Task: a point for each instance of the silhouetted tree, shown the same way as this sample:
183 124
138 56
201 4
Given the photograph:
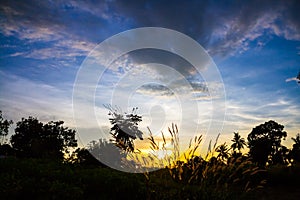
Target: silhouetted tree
32 138
295 152
5 149
125 128
223 152
238 142
83 157
4 126
282 156
107 153
264 142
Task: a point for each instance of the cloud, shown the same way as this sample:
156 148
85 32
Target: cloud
251 23
100 8
291 79
297 79
251 108
154 89
61 50
56 32
224 29
48 21
48 29
29 22
21 97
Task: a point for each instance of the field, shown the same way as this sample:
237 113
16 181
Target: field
44 179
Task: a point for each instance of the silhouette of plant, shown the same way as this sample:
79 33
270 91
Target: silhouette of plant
223 152
196 171
107 153
297 140
265 141
82 156
282 156
160 155
238 142
295 152
124 128
4 126
34 139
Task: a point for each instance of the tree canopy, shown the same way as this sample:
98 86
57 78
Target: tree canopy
4 126
32 138
264 142
295 153
223 151
124 128
238 142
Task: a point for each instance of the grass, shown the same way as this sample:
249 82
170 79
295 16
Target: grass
44 179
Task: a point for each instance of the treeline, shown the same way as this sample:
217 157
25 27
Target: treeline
34 139
47 153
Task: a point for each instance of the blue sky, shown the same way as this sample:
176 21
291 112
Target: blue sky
254 44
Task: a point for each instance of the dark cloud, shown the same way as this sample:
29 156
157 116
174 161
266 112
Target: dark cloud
163 57
223 28
185 16
199 89
155 89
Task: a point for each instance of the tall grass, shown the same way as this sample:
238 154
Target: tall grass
206 173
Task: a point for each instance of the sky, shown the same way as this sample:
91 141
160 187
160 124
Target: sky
254 47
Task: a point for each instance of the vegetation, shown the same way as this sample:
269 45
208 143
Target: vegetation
4 126
265 143
295 153
124 128
238 143
33 164
37 140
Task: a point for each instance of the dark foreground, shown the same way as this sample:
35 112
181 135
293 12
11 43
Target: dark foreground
44 179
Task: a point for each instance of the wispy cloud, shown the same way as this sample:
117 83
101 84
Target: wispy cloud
21 97
249 110
291 79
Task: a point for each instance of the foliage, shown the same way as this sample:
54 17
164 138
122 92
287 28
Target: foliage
4 126
47 179
265 142
235 174
34 139
182 176
160 155
194 177
205 179
238 142
83 157
6 150
107 153
295 152
223 152
124 128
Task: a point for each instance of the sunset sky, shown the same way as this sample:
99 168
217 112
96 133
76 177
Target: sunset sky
255 46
